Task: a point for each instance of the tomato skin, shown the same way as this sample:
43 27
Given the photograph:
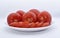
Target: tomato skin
35 11
15 24
40 17
48 19
24 24
20 12
13 17
32 25
44 16
39 24
20 24
29 16
42 24
45 24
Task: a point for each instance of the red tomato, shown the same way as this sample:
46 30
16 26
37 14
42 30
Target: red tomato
13 17
45 24
20 24
32 25
15 24
29 16
44 16
31 19
39 24
20 12
35 11
24 24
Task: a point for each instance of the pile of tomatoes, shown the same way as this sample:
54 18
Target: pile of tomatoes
31 19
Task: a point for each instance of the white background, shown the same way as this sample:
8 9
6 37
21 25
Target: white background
8 6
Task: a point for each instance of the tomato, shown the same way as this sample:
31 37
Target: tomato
20 12
15 24
45 24
24 24
39 24
35 25
29 16
35 11
32 25
44 16
20 24
13 17
32 19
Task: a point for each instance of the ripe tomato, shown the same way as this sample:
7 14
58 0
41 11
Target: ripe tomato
45 24
24 24
31 19
32 25
13 17
15 24
20 12
20 24
44 16
29 16
35 11
39 24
